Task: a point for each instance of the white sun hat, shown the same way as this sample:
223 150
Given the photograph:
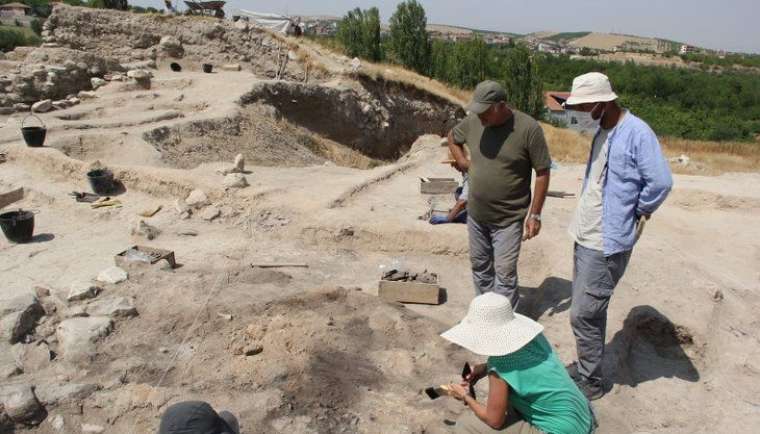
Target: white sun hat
491 328
591 88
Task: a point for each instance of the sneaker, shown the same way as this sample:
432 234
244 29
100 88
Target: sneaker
572 371
592 390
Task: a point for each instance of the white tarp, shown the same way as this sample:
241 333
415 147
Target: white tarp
274 22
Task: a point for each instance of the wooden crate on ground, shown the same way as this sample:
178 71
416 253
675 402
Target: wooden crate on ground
409 292
438 185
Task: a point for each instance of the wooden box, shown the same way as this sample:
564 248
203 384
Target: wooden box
409 292
156 255
438 185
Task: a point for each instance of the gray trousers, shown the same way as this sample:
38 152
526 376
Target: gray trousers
494 253
594 279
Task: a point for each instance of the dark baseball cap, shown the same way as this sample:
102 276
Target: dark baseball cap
486 94
197 417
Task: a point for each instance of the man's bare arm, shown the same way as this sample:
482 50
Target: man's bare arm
461 163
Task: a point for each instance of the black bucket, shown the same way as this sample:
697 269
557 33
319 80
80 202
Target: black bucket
18 226
207 67
101 181
33 136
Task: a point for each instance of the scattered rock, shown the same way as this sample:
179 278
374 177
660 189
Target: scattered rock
188 233
171 46
253 349
232 67
92 429
60 105
74 101
21 107
239 163
42 106
9 366
75 312
97 82
57 423
59 394
35 357
21 405
718 295
87 94
121 307
225 316
112 275
197 199
145 230
19 317
139 74
77 336
82 291
7 110
211 213
41 291
235 180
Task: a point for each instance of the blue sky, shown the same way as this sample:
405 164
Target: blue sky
727 24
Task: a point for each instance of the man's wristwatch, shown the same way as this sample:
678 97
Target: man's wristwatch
536 217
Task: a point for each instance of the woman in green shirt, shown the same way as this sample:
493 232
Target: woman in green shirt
529 388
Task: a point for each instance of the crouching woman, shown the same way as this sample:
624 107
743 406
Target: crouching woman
529 389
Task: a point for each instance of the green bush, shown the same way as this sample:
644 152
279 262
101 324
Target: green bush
36 26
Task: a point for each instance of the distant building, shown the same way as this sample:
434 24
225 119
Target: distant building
685 49
547 47
555 112
11 10
553 101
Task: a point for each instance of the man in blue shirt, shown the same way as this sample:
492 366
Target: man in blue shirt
627 179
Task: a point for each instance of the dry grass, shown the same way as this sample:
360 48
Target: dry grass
399 74
713 158
566 145
705 158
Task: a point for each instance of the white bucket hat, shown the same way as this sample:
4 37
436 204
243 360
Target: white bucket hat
491 328
591 88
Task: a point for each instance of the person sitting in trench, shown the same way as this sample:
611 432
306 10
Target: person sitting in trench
529 389
197 417
457 214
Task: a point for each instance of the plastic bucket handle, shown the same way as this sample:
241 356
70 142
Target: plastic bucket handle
32 116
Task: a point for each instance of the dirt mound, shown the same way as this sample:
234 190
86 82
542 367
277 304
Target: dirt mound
652 346
701 200
132 37
341 359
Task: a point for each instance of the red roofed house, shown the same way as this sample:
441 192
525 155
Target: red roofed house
11 10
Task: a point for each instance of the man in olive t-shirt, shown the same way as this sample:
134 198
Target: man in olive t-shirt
505 146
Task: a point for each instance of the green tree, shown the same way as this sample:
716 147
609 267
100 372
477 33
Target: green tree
350 32
409 40
523 81
359 33
36 26
371 35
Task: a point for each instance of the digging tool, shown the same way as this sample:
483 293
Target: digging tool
283 265
640 227
105 203
437 392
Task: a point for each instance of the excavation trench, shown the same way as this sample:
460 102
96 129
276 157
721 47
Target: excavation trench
292 124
